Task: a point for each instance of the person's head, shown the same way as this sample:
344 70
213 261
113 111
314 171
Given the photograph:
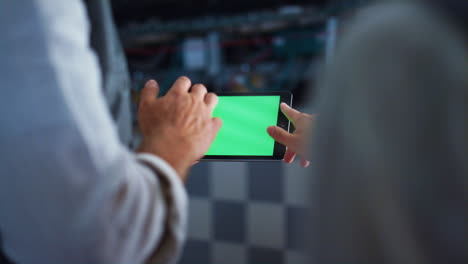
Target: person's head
389 154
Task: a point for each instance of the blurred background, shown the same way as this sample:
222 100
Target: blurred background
239 212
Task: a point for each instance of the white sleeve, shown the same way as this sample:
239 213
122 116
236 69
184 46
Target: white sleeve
69 191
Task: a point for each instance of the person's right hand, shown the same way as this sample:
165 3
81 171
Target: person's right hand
178 127
297 142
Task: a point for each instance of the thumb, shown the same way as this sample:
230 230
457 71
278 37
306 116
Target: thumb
282 136
150 91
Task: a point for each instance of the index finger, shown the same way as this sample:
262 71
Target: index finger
292 114
181 85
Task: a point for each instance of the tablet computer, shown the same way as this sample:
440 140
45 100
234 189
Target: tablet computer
246 117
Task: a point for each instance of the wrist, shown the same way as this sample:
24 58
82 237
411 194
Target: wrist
178 162
180 167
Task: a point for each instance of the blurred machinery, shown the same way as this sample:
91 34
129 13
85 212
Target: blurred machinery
262 45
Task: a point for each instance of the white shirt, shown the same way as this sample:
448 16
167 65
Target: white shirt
69 191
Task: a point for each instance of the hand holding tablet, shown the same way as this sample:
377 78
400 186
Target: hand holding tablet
246 117
298 142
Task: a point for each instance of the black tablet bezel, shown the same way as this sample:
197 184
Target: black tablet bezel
283 122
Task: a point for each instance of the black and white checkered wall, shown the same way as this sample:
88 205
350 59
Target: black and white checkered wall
246 213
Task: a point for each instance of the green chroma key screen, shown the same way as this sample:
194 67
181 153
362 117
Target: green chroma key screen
245 123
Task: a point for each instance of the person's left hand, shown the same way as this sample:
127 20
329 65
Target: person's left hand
297 142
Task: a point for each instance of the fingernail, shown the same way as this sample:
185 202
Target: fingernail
151 83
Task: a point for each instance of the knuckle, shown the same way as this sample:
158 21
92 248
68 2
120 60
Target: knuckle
177 93
302 117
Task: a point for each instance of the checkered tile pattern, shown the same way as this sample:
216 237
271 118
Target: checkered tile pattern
246 213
